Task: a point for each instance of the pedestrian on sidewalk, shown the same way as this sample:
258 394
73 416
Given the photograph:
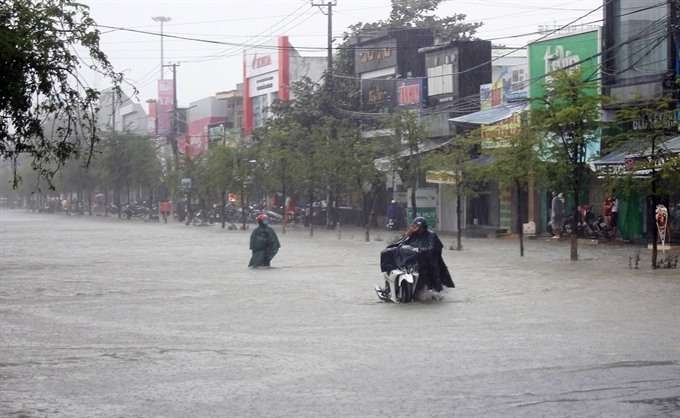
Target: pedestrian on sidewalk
263 243
557 214
615 214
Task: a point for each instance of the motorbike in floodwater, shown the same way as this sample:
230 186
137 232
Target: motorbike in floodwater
401 283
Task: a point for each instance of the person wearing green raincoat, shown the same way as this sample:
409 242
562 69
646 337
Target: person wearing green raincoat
263 243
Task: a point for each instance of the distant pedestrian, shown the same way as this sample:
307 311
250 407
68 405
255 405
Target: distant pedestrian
263 243
615 214
166 210
392 213
607 210
557 214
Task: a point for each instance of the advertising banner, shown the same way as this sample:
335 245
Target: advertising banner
573 52
426 200
257 63
378 95
370 57
440 177
411 92
263 84
164 107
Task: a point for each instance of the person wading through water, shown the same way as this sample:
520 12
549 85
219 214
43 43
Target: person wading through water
263 243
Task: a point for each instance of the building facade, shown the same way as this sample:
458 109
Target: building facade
267 77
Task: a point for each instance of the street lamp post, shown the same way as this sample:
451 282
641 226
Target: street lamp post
162 20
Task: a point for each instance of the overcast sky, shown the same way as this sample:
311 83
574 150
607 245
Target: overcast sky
206 69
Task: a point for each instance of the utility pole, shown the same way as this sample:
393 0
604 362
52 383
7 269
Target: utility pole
329 85
329 5
175 125
162 20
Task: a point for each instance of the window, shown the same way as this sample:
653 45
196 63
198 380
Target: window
640 38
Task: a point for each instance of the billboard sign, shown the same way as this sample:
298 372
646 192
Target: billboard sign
263 84
378 95
164 107
485 96
370 57
572 52
411 92
258 63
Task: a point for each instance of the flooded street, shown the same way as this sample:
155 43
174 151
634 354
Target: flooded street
106 318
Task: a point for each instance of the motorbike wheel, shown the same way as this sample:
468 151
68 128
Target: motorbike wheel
405 292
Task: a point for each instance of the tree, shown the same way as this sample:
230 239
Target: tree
568 118
458 162
405 150
47 111
422 14
514 162
220 162
653 168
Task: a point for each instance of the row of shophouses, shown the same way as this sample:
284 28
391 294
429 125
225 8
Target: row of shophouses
464 85
455 87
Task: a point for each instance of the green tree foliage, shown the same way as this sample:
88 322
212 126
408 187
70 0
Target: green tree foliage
405 150
47 111
514 162
458 160
654 169
568 118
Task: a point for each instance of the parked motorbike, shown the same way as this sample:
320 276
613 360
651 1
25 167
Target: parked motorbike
401 283
135 210
589 225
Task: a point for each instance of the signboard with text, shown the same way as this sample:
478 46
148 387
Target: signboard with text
164 107
257 63
370 57
411 92
573 52
378 95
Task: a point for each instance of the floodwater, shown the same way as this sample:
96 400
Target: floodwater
107 318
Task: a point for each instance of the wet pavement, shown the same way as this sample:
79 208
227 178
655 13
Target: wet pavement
105 318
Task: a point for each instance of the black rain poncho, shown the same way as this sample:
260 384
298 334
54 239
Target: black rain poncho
433 271
264 244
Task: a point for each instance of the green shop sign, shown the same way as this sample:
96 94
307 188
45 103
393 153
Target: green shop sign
575 51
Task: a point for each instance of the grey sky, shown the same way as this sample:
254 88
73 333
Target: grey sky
206 69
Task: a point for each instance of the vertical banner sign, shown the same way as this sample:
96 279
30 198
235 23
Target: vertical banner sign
164 107
411 92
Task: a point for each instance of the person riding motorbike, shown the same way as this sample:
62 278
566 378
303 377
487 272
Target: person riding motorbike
434 274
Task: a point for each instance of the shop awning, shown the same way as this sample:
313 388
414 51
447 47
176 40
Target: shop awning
621 160
384 163
636 149
491 116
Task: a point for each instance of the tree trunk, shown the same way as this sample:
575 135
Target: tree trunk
414 212
285 212
369 216
106 202
224 203
575 215
89 203
311 213
116 194
520 229
243 206
459 232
